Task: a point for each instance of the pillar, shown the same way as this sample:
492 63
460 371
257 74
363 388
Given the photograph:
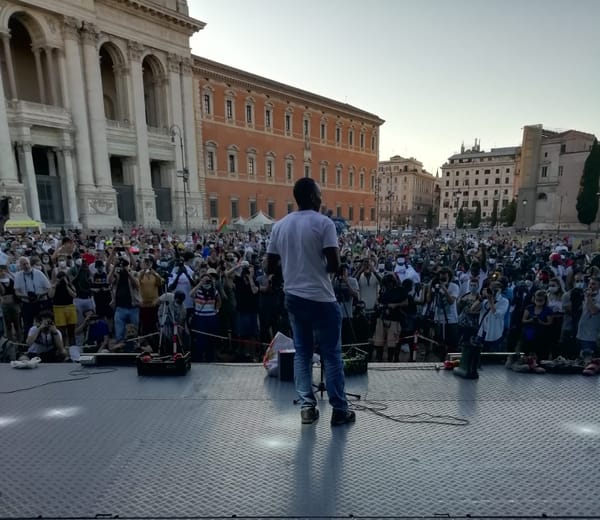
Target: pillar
145 201
196 182
33 203
9 65
40 75
51 68
62 71
65 165
94 91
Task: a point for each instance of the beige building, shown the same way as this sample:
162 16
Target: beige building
473 176
551 169
404 193
97 112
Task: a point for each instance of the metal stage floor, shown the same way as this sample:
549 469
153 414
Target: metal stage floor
226 441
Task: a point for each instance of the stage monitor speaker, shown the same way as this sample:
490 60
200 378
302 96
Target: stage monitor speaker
285 363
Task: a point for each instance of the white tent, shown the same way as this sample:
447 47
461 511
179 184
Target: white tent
259 221
239 223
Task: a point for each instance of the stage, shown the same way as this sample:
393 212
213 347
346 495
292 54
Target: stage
226 441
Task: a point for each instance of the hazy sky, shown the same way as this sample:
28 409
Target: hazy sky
438 71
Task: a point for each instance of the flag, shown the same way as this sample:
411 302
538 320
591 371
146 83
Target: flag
222 226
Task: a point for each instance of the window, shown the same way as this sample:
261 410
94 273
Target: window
253 209
307 170
560 171
338 177
361 181
446 216
351 179
372 214
466 182
290 207
484 214
251 166
235 213
306 126
505 192
475 193
496 181
271 209
338 211
362 145
269 168
324 175
373 145
485 203
289 171
351 138
323 132
361 214
485 192
506 180
476 182
456 183
207 104
447 174
544 171
210 160
487 181
563 148
457 173
545 154
476 172
229 109
350 213
447 183
338 135
231 163
249 114
507 170
288 124
268 114
504 203
213 205
474 204
497 170
487 172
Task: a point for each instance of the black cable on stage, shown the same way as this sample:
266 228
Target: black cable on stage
79 375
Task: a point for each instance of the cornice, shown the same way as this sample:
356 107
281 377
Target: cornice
219 71
146 9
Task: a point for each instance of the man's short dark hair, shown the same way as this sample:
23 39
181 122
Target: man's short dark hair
303 191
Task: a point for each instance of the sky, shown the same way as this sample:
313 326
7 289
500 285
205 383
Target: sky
439 72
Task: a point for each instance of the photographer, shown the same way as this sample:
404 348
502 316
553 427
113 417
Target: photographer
388 327
65 314
31 287
125 298
246 297
44 340
150 286
492 307
94 332
207 302
346 290
443 295
182 279
368 285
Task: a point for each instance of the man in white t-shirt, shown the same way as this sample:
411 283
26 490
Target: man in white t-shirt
443 296
306 244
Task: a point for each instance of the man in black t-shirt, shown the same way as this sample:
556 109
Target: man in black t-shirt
388 329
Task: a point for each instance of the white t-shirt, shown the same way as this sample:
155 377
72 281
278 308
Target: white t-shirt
369 290
44 342
299 239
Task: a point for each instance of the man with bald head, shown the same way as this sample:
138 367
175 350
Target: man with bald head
31 287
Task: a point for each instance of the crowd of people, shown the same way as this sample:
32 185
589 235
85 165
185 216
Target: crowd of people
116 291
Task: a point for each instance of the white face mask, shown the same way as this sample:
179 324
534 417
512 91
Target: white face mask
579 285
473 289
62 264
528 284
553 290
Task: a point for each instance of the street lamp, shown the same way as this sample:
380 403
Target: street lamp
184 173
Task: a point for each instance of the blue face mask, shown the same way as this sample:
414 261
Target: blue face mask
12 268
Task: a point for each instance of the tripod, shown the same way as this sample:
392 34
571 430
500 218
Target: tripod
321 388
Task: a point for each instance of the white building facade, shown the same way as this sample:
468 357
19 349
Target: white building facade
97 112
551 170
475 176
405 192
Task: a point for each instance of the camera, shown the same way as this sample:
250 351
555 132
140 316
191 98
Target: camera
31 295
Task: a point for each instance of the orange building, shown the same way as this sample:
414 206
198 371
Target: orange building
257 137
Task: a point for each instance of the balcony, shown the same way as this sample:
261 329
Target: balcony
120 136
38 114
160 146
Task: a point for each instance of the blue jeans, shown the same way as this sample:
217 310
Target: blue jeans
586 347
123 317
321 323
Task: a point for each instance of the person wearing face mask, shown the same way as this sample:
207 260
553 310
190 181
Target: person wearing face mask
572 302
101 291
537 320
205 320
404 271
31 287
468 320
81 279
443 295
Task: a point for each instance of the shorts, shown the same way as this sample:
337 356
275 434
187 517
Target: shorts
387 333
65 315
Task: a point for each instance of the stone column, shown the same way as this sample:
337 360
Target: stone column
196 183
33 202
9 65
145 199
121 79
51 68
93 79
40 75
62 70
65 165
50 154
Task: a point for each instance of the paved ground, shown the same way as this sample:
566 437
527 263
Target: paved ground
226 441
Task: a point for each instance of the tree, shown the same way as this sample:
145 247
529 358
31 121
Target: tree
509 213
430 217
587 200
476 220
460 219
494 219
